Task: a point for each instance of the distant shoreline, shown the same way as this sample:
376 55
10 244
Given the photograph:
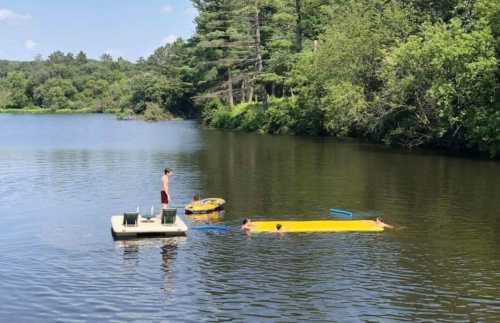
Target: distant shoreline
86 111
48 111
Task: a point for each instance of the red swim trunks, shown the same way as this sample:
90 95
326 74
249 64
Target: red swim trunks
164 198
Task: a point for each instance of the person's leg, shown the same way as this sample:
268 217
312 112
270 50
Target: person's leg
164 200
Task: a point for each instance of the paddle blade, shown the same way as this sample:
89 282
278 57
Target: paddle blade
211 228
341 214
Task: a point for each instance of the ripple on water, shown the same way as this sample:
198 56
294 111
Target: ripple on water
61 180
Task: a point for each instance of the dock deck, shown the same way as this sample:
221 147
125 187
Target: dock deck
146 227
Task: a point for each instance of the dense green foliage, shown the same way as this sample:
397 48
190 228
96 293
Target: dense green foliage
69 83
409 73
418 73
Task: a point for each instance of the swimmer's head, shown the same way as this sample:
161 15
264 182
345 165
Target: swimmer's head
278 226
245 221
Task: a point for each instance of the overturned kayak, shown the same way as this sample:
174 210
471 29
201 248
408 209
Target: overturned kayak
317 226
205 206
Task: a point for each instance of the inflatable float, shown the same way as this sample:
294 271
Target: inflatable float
317 226
205 206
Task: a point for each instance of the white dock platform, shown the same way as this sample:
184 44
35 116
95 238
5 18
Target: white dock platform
146 227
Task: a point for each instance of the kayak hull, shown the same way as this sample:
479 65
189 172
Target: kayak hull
317 226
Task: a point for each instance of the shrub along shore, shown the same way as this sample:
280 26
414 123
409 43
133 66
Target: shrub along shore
415 73
45 111
149 115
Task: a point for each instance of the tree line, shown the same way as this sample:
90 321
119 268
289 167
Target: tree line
68 82
410 73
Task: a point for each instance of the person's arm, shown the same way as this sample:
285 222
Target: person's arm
165 187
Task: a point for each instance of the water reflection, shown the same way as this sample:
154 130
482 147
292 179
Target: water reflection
130 251
168 249
207 218
442 265
168 255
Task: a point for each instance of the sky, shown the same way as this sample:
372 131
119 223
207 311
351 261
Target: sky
126 28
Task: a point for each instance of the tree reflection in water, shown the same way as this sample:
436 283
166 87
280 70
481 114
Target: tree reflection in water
206 218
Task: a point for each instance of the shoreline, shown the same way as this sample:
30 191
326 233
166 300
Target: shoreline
39 111
424 150
46 111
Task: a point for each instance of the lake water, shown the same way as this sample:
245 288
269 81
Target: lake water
62 177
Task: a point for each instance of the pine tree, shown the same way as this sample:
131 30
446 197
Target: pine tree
221 46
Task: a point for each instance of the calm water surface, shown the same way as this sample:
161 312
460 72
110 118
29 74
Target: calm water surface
62 177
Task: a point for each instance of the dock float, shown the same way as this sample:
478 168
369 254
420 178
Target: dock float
134 225
317 226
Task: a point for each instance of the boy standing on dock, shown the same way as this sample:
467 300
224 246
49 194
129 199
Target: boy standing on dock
165 196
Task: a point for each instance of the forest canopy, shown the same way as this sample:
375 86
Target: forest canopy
408 73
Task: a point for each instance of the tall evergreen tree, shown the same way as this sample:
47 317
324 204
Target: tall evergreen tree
222 46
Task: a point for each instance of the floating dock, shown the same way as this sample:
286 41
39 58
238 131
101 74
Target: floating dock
145 227
317 226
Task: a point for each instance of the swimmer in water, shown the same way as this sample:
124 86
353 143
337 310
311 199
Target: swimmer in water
246 225
380 222
196 199
279 228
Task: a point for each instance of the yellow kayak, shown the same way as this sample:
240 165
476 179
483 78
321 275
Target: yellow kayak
205 206
317 226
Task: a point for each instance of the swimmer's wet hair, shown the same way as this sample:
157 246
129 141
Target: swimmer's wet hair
278 226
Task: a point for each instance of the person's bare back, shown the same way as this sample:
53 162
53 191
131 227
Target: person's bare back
165 196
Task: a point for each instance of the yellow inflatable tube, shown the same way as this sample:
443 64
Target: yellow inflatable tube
205 206
317 226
